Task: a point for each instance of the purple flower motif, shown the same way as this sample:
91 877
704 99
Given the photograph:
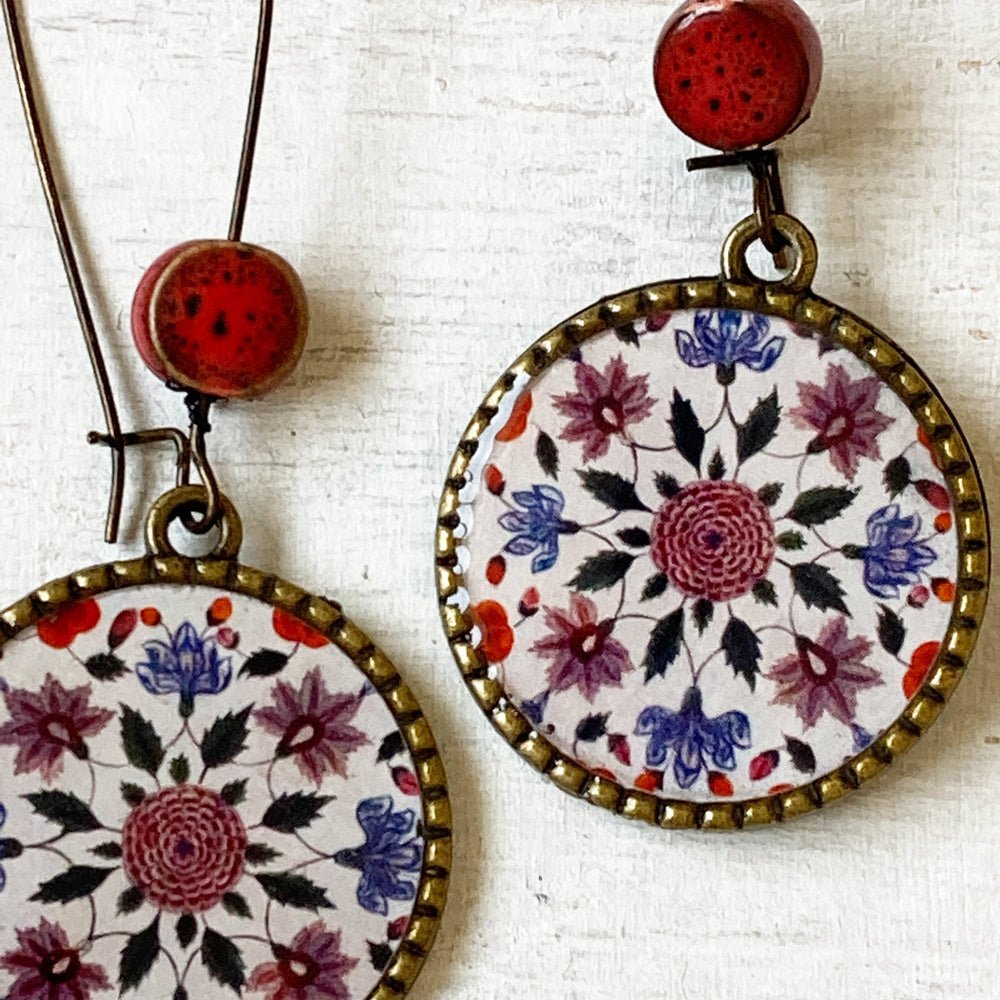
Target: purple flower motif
388 851
537 527
603 405
582 651
45 967
188 665
46 726
843 413
693 737
825 675
894 556
717 340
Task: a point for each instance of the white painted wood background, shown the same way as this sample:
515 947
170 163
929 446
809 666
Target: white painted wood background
452 179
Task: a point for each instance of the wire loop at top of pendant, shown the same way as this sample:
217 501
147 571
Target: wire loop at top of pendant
184 500
801 243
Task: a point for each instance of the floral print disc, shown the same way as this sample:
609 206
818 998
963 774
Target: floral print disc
708 555
203 794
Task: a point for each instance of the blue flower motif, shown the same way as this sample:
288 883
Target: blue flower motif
385 854
862 738
189 665
694 738
538 526
893 557
721 343
534 710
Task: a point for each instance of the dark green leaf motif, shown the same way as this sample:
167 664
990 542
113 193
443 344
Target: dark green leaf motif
74 883
132 794
65 809
288 812
264 663
716 467
236 905
666 485
602 571
742 649
689 435
143 746
379 951
703 611
223 960
822 504
759 430
187 928
611 490
802 755
292 889
818 587
138 956
110 850
225 738
770 494
547 454
391 746
130 900
764 593
891 631
592 728
896 475
635 538
180 769
260 854
627 334
105 667
655 586
235 792
664 644
791 541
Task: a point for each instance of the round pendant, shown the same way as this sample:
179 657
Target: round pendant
212 779
713 552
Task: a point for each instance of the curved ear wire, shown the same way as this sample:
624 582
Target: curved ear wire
191 445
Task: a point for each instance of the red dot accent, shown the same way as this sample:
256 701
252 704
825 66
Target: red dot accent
738 73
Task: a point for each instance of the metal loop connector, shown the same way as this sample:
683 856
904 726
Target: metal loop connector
797 238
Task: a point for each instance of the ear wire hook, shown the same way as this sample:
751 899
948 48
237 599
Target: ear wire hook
192 445
768 196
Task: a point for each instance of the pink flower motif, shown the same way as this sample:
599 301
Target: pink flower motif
603 405
183 848
825 675
843 412
44 726
581 648
46 968
713 540
311 968
314 726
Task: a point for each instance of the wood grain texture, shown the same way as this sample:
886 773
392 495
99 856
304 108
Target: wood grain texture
451 180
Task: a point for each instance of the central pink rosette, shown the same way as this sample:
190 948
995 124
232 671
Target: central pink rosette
184 848
713 540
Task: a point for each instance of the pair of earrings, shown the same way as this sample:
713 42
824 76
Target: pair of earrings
711 553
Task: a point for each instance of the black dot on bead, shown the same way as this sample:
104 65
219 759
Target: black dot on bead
715 104
685 83
192 305
745 96
251 317
244 254
757 72
227 276
708 36
758 116
720 70
220 327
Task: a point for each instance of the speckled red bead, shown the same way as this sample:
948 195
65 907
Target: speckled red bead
227 319
734 74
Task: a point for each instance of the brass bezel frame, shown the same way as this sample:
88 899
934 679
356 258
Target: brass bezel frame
327 617
896 369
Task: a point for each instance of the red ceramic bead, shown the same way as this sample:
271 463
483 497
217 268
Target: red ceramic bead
733 74
227 319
